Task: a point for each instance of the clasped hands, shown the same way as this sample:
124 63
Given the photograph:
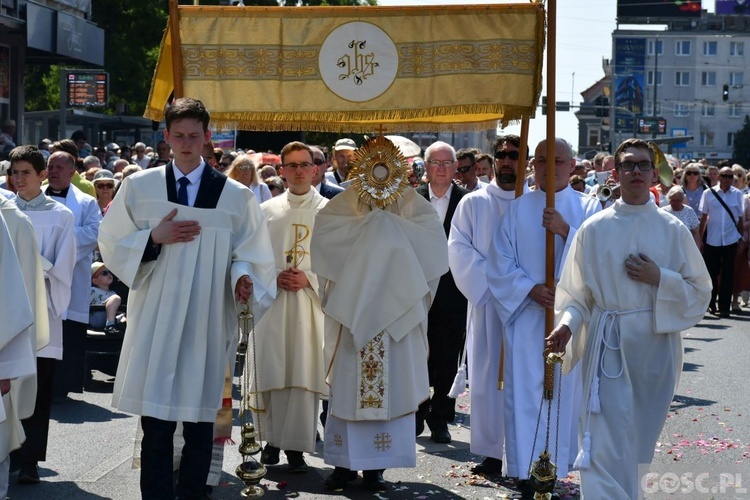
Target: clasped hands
292 280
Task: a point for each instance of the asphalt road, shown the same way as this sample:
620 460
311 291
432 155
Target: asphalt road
91 444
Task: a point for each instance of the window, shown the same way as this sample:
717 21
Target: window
650 77
593 136
659 44
709 48
682 78
707 139
708 110
708 78
736 49
650 108
682 47
735 111
681 109
735 78
730 139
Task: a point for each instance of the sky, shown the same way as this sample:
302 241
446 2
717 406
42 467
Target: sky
584 39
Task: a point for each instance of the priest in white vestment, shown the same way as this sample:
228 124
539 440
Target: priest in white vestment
17 356
477 216
289 337
188 242
624 296
517 279
55 234
379 270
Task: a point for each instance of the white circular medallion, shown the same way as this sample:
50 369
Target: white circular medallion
358 61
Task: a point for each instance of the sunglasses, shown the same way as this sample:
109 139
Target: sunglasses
465 169
727 176
692 173
102 185
319 162
501 155
103 272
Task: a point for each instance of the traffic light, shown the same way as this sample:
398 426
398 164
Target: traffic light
601 106
725 93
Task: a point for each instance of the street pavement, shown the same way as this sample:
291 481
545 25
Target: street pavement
91 444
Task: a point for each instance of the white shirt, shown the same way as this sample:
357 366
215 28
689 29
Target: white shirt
195 181
720 230
440 202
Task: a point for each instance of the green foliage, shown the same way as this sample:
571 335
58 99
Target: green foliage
741 152
42 88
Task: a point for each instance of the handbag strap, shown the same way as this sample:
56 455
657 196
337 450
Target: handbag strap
724 205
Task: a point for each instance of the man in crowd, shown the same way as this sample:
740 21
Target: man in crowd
140 157
484 167
624 296
162 155
446 331
289 337
474 223
343 155
379 270
69 372
53 224
326 189
184 228
722 211
517 279
466 171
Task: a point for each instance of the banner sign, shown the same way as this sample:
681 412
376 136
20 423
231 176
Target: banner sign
357 68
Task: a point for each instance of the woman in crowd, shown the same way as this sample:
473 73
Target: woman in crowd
686 214
276 185
243 171
104 185
692 184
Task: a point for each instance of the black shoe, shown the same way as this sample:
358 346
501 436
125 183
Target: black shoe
420 425
112 331
269 455
28 474
337 480
373 481
490 466
712 309
440 432
723 314
296 461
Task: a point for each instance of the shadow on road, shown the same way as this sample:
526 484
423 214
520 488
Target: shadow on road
680 402
78 412
690 367
53 490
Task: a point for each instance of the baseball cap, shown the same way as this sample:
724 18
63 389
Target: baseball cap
345 143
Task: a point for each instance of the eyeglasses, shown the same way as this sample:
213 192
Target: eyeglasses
727 176
318 162
465 169
642 166
101 185
692 173
501 155
438 163
272 187
295 166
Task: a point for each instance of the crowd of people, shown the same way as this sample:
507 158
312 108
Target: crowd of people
364 307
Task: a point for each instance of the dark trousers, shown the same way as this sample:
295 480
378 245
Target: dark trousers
36 427
446 337
720 264
70 376
156 459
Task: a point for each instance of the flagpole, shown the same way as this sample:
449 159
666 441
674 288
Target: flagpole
174 30
549 314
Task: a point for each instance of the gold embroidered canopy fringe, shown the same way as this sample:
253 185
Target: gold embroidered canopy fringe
354 68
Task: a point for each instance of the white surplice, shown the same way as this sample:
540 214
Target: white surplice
627 335
476 218
182 317
24 322
379 270
54 228
87 217
517 265
289 337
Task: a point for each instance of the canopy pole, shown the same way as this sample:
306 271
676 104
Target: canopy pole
549 314
174 30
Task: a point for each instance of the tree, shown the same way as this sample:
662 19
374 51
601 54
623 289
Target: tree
741 151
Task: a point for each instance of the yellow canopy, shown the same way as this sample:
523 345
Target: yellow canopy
356 68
